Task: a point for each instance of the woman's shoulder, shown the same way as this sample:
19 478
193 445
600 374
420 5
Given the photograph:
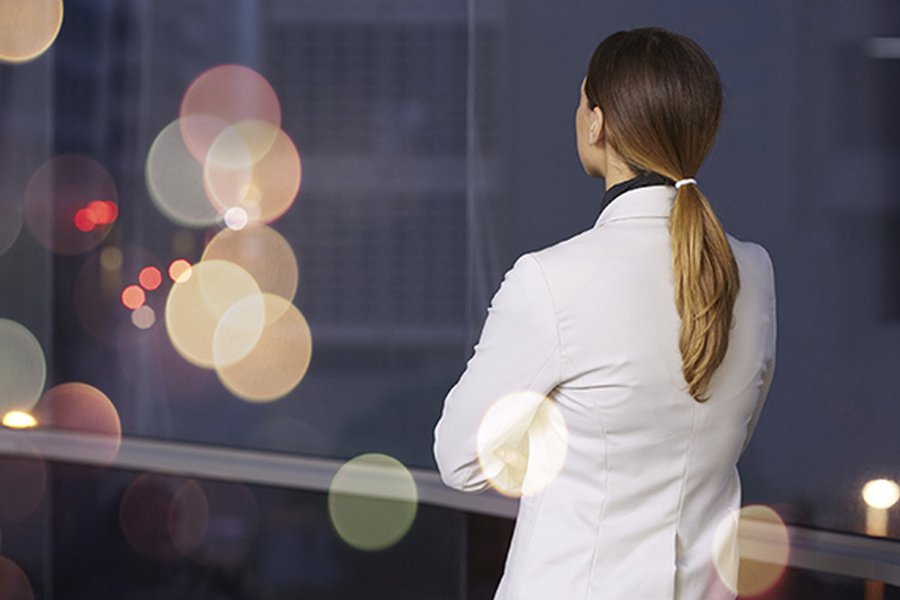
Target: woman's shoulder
754 264
750 251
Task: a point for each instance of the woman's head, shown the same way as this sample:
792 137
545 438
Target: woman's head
659 98
652 99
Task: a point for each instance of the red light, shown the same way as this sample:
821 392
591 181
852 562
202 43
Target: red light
150 278
104 211
84 220
133 297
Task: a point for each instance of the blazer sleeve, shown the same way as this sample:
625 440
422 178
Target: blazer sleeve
518 350
769 370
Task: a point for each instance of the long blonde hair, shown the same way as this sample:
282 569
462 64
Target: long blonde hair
662 102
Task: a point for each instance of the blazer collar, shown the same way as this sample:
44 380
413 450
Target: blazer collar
653 201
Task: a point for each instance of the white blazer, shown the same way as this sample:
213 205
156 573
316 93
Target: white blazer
648 473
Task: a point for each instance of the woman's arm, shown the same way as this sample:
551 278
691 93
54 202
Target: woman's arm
769 371
518 350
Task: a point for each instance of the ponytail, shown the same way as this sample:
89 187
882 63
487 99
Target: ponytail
661 98
706 286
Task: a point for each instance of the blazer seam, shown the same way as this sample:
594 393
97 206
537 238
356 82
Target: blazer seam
559 344
602 511
684 476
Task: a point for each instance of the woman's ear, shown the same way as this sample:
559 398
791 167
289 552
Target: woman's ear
596 130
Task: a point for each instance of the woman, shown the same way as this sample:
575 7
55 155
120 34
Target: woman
652 335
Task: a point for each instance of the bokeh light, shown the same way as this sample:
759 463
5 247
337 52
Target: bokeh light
225 95
195 306
14 584
57 191
233 524
143 317
111 258
28 29
163 517
97 213
18 419
24 478
372 501
175 178
179 270
82 408
83 220
264 186
263 253
188 518
236 218
103 212
98 294
184 243
150 278
133 297
23 369
279 359
881 493
522 443
763 547
10 220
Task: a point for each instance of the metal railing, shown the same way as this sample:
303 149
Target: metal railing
846 554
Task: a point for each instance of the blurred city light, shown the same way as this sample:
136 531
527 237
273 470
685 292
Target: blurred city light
61 209
18 419
264 185
758 537
175 179
881 493
82 408
278 360
372 501
23 368
233 524
163 517
522 443
225 95
179 270
262 252
111 258
28 29
24 480
143 317
195 306
11 220
133 296
15 583
236 218
150 278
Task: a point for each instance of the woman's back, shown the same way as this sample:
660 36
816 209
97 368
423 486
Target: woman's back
649 473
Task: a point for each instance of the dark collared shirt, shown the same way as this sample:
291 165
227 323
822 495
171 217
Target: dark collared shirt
642 180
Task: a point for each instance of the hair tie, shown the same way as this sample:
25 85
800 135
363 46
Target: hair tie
685 181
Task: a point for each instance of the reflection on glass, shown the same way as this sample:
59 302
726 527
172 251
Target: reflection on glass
197 303
522 443
82 408
28 29
758 536
17 419
372 501
57 201
277 361
23 370
225 95
15 583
